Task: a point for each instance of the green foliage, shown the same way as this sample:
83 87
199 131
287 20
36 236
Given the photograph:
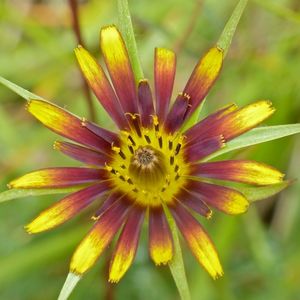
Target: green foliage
260 251
19 193
257 136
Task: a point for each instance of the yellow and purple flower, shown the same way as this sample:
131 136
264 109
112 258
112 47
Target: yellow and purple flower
150 164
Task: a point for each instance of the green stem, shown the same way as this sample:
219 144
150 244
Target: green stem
176 265
126 28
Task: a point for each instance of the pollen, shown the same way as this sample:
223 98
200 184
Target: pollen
148 164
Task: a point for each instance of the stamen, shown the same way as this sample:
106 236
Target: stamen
177 148
122 177
131 140
168 180
160 141
155 123
144 170
135 121
118 150
122 155
131 149
147 139
171 160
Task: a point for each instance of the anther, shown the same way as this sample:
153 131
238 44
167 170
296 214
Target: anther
170 145
176 168
122 177
167 181
123 167
129 181
131 140
171 160
147 139
177 176
177 148
160 141
131 149
122 154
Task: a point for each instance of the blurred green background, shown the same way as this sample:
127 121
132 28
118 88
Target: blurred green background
260 251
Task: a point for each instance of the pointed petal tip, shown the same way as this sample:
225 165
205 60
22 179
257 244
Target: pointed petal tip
77 49
26 228
31 229
162 262
113 280
218 275
108 28
162 258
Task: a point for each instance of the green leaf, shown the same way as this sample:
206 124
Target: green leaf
225 39
255 193
21 193
257 136
125 24
176 265
18 90
224 42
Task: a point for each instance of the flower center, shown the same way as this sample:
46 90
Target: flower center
148 165
147 168
144 158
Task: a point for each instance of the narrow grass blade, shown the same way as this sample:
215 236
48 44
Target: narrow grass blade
225 39
21 193
19 90
125 24
69 285
257 136
177 265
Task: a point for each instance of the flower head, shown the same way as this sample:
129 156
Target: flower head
150 164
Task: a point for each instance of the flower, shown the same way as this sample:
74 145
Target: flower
150 164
